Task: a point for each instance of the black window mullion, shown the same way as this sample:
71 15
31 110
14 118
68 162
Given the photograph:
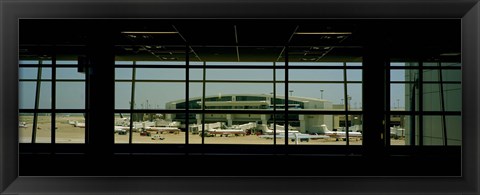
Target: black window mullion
420 103
444 125
132 102
37 99
87 101
187 90
387 104
203 100
274 97
286 97
53 94
345 95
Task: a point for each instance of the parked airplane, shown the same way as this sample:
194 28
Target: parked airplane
397 132
121 130
295 136
280 129
81 125
218 128
164 129
22 125
340 134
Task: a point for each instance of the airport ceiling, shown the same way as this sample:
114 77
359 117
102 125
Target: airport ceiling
244 40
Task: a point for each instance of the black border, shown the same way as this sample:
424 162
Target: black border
11 11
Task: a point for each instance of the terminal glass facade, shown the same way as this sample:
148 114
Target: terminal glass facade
292 94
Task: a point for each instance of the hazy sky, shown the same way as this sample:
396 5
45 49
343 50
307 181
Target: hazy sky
71 94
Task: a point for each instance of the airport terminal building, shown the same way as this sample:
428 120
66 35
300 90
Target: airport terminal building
303 122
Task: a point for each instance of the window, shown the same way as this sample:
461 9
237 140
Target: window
425 108
333 87
51 101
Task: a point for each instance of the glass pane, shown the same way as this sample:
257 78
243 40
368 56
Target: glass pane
238 95
456 64
160 62
67 62
280 75
230 63
45 101
354 64
354 96
397 96
70 95
196 74
26 94
454 130
46 61
195 127
447 75
400 97
412 128
240 74
410 64
123 93
279 100
227 128
123 62
159 95
315 63
314 129
315 75
398 127
153 128
432 97
306 94
28 91
397 75
453 97
70 73
70 128
25 125
28 61
432 130
195 101
160 74
123 73
27 73
340 124
354 75
44 126
32 73
122 127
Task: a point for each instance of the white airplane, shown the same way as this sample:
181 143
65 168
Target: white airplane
280 129
397 132
216 128
121 130
81 125
340 134
22 125
164 129
226 131
295 136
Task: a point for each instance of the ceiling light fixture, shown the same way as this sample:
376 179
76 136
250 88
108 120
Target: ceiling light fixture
323 33
145 32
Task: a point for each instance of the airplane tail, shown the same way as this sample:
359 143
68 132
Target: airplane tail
324 128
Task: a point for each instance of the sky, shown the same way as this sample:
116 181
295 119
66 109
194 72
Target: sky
71 95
